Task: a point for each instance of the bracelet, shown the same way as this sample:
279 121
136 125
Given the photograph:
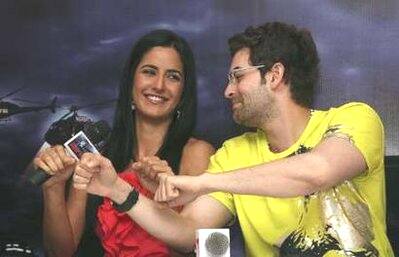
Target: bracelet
130 201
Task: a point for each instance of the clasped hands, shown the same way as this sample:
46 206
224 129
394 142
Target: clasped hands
170 189
96 174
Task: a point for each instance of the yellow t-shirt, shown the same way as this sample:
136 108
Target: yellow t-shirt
349 217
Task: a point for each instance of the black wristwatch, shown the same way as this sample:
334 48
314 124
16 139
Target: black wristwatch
130 201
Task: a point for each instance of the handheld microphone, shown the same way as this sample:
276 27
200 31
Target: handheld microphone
92 138
213 243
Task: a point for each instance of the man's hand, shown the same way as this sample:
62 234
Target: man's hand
148 169
56 162
95 174
180 190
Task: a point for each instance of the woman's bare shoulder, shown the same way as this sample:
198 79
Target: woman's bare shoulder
195 156
194 145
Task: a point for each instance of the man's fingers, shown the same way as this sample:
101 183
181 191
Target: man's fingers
158 193
161 189
168 191
161 168
90 162
77 179
138 166
157 197
171 192
83 172
163 205
164 189
80 186
174 203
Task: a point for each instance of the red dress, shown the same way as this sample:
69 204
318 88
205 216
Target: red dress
120 235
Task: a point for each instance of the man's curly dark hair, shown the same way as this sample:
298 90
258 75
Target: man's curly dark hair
275 42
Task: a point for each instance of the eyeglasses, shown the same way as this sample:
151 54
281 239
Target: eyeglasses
234 75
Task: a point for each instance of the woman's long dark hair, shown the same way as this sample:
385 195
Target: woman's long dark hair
123 139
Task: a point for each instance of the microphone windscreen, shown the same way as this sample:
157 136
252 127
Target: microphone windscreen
217 244
213 242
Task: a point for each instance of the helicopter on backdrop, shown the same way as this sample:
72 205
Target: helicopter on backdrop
72 122
8 108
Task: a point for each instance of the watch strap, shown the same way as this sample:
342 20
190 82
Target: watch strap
130 201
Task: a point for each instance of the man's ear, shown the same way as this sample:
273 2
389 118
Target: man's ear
277 74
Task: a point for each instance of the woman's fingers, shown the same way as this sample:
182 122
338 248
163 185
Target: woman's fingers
151 166
53 160
38 162
84 172
137 166
56 160
65 158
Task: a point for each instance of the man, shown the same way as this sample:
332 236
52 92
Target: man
306 183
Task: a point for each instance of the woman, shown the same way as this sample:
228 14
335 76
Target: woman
155 116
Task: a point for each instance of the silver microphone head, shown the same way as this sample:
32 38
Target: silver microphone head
216 244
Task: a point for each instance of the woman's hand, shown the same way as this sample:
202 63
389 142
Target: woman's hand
95 174
148 170
56 162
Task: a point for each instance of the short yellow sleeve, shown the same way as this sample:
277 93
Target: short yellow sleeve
363 127
216 166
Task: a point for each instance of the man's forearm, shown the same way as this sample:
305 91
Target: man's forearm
158 220
328 164
288 177
57 232
165 224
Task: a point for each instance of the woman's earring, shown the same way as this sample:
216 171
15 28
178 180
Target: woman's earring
178 114
133 106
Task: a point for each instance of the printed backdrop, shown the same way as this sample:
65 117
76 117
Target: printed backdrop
75 51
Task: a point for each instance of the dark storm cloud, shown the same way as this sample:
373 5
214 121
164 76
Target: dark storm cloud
76 50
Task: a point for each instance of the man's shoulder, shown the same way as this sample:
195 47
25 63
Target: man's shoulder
248 138
354 112
235 152
353 107
239 145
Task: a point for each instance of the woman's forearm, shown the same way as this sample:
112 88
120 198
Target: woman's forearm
57 232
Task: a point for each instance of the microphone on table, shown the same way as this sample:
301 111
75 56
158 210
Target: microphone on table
92 138
213 242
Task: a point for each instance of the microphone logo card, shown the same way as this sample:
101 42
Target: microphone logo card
78 145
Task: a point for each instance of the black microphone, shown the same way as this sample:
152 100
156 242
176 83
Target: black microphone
94 135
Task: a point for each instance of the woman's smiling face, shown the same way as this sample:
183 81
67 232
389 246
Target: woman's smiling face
158 83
